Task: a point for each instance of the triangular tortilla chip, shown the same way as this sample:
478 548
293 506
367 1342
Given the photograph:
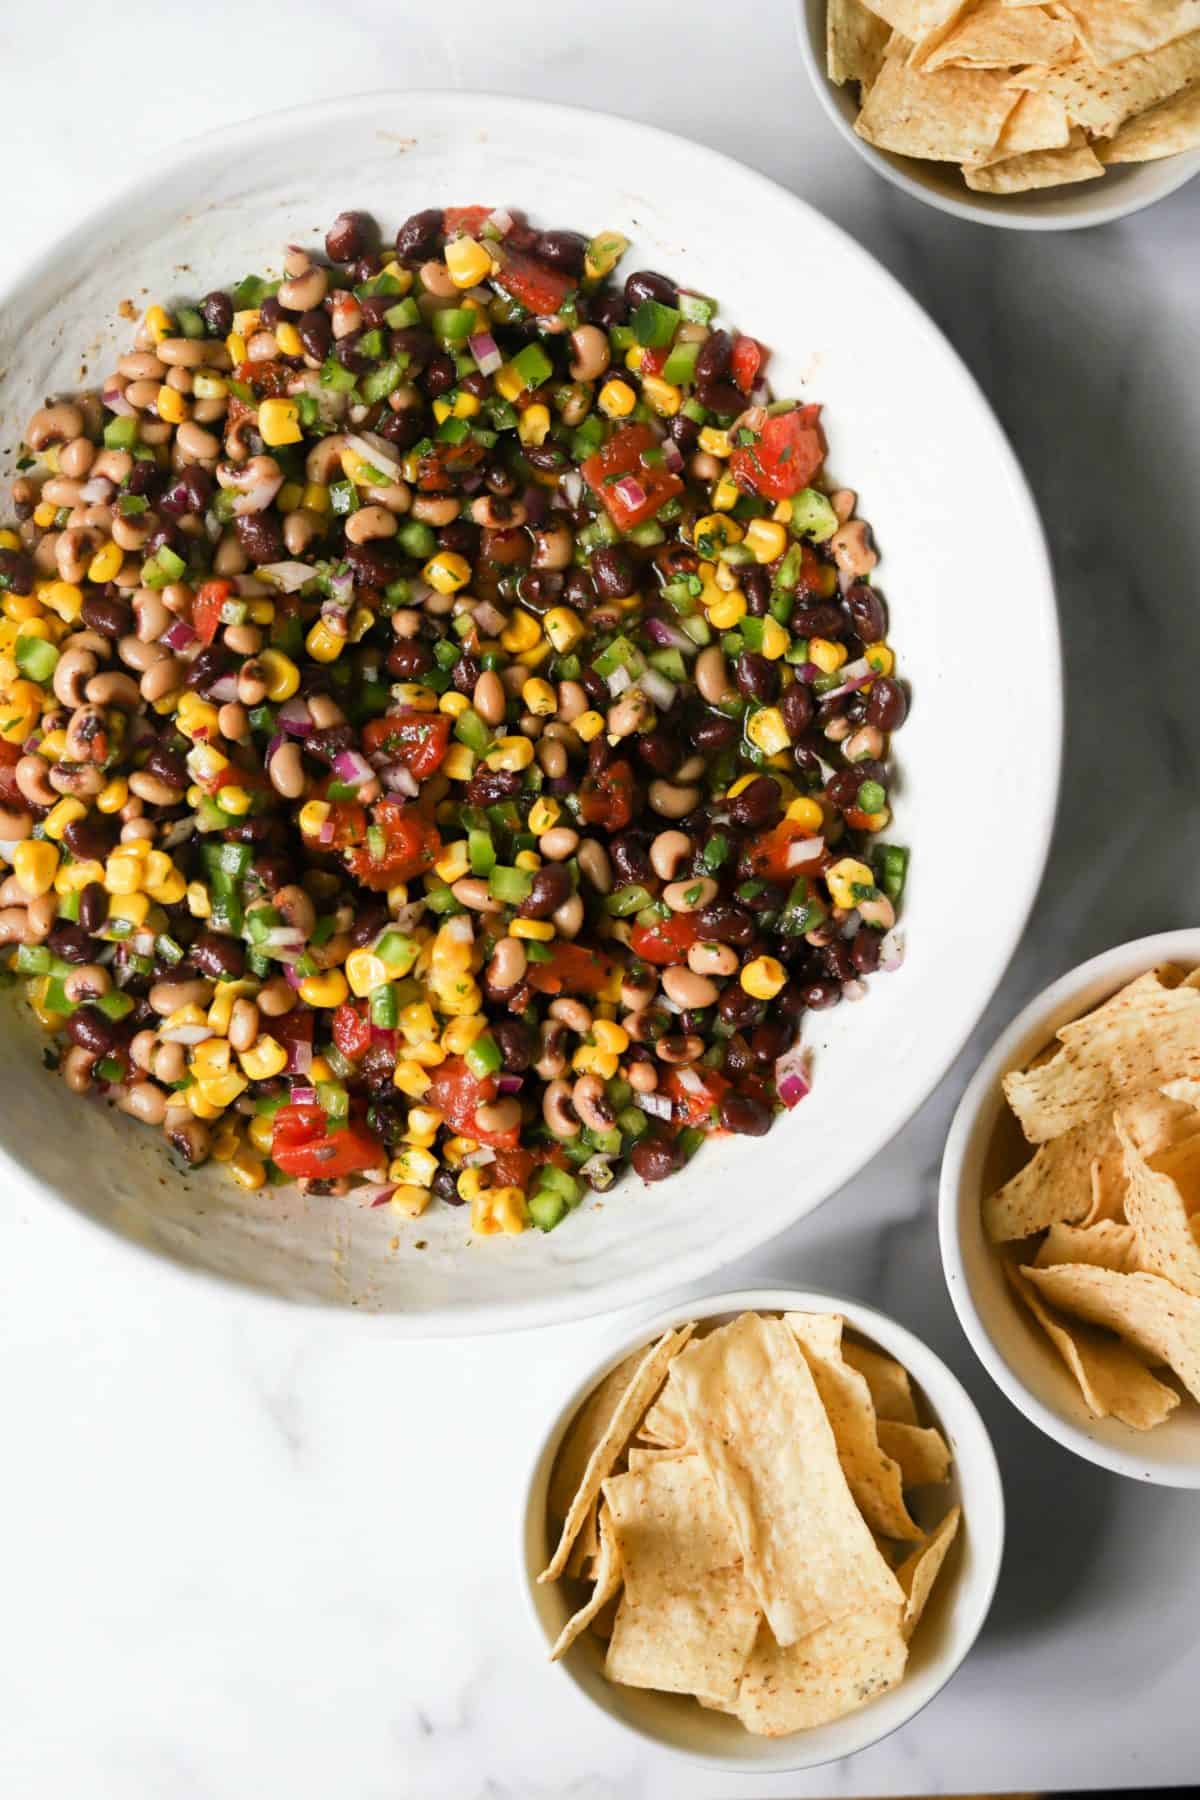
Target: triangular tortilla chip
1166 129
918 20
874 1477
1102 99
664 1424
950 116
1144 1309
855 41
992 36
1163 1192
1040 169
918 1573
1108 1244
641 1456
889 1382
1057 1184
1111 1379
646 1380
829 1673
584 1433
1036 122
608 1580
755 1416
1114 30
687 1619
920 1450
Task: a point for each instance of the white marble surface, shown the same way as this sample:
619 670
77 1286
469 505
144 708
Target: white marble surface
249 1553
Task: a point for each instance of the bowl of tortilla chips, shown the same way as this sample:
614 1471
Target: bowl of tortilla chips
765 1530
1043 117
1070 1210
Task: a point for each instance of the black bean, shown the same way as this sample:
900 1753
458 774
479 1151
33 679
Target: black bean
93 906
92 1030
316 332
402 428
104 613
71 942
551 886
349 353
376 1066
630 858
465 673
439 376
445 1187
721 397
16 572
595 687
374 307
164 532
460 537
613 572
514 1041
599 756
684 431
655 1157
769 1040
608 308
797 708
271 313
369 921
207 666
745 1115
189 492
352 234
818 621
864 951
727 925
216 954
660 752
887 707
757 678
408 659
144 479
757 805
867 612
539 589
217 311
546 457
837 960
713 357
260 537
563 250
327 744
842 788
271 873
417 238
756 585
415 343
372 564
713 732
491 785
90 838
365 268
168 766
817 995
645 284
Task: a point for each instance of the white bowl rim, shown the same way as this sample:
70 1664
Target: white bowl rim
619 1291
1137 1464
1017 216
889 1334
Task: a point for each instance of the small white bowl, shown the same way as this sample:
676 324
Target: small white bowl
1120 191
1006 1338
949 1628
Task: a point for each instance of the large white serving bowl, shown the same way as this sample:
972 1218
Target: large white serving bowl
973 619
1009 1343
1123 189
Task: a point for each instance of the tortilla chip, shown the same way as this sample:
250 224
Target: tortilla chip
1162 1194
1166 129
1057 1186
920 1450
918 20
1186 1091
1036 122
583 1434
829 1673
992 36
855 41
641 1456
687 1620
1118 1050
664 1423
1146 1310
891 1388
950 116
918 1574
754 1413
874 1478
1114 30
1040 169
602 1624
1111 1379
1102 99
646 1380
586 1547
1107 1244
608 1580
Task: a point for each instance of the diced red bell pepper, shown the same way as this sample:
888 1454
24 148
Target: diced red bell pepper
693 1105
302 1145
789 451
417 739
206 608
570 970
513 1168
607 798
621 460
457 1093
766 856
667 942
351 1030
465 221
533 284
410 845
269 379
747 362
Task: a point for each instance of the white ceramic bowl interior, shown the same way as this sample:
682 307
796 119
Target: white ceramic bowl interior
976 633
1006 1338
1121 190
951 1623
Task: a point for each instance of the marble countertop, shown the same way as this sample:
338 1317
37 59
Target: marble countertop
248 1553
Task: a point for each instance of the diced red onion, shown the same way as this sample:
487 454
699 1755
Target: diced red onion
760 393
327 833
672 455
341 588
619 680
304 1096
335 614
406 916
224 689
631 492
398 779
571 487
375 450
689 1081
510 1084
598 1170
484 349
292 975
661 690
185 1034
295 717
657 1106
670 636
792 1078
851 923
97 492
178 834
418 592
352 768
283 937
891 950
489 619
178 635
500 220
807 673
854 676
114 399
300 1056
804 850
289 576
7 846
854 990
372 1193
476 1159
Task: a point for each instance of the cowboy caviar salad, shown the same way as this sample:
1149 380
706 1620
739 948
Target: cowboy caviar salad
444 720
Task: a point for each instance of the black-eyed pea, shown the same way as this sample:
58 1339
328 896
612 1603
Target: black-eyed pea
592 1103
14 925
595 864
189 1137
689 990
878 912
638 991
54 425
168 1063
552 756
863 744
690 895
286 770
142 1049
852 549
489 698
641 1076
572 700
677 1050
572 1013
552 1052
243 1024
233 722
146 1101
369 523
77 1067
167 997
508 964
671 801
499 1116
275 998
712 959
557 844
86 982
667 852
568 918
472 891
558 1110
632 713
691 769
153 789
161 678
40 915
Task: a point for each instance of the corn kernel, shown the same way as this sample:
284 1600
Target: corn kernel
196 717
365 973
123 872
616 399
564 628
447 572
322 644
663 396
611 1036
158 323
528 859
849 881
715 441
511 753
417 1023
198 902
589 1059
725 494
414 1166
468 262
806 812
210 1059
540 930
35 864
521 633
64 598
235 343
208 385
247 1170
775 640
205 762
454 862
470 1185
44 514
260 1131
199 1105
428 1055
783 512
459 763
543 814
106 562
61 815
9 540
508 1209
711 533
225 1144
539 697
764 977
767 540
264 1059
589 725
288 339
533 425
171 405
415 697
767 731
453 703
327 990
510 384
113 795
460 1034
880 658
728 611
281 674
410 1078
133 907
71 878
827 655
409 1201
